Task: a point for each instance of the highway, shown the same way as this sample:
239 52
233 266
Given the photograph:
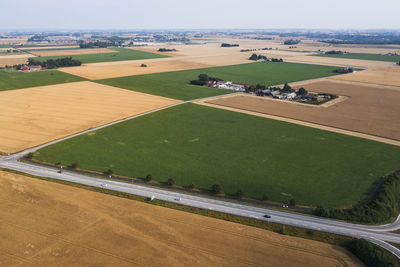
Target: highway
379 235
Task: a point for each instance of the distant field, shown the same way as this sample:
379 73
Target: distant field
176 84
376 57
193 143
123 54
16 80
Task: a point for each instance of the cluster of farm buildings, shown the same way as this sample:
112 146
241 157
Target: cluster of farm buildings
277 94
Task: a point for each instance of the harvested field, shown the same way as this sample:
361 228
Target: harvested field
29 117
384 76
370 109
342 62
13 40
14 59
71 52
104 230
128 68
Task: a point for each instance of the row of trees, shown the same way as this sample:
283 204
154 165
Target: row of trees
55 63
384 205
371 254
94 44
291 42
229 45
203 79
261 57
167 50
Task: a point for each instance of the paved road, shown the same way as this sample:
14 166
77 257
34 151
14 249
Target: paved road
379 235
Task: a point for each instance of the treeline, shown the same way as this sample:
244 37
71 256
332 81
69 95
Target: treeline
204 79
250 50
261 57
228 45
95 44
335 52
383 205
55 63
291 42
344 70
167 50
370 254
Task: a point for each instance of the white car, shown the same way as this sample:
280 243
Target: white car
103 185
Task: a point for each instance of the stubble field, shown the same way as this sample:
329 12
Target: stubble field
385 76
29 117
71 52
34 232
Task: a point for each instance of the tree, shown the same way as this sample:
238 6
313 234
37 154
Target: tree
287 88
216 189
265 197
170 182
148 178
73 165
302 91
108 172
203 77
239 194
292 202
30 155
253 57
192 186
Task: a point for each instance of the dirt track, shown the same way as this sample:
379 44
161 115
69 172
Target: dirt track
370 109
47 224
29 117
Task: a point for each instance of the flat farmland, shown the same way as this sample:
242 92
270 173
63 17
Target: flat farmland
121 54
29 117
71 52
10 80
364 56
35 233
204 145
176 84
369 109
12 60
120 69
385 76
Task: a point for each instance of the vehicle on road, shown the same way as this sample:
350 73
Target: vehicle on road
103 185
267 216
177 199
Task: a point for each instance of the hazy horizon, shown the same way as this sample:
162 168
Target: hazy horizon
207 15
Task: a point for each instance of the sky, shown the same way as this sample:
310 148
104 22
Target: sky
200 14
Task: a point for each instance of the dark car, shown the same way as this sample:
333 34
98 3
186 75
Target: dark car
267 216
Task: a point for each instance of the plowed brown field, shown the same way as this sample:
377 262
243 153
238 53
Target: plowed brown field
29 117
369 109
48 224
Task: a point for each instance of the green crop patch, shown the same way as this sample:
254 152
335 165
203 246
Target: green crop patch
376 57
206 146
120 55
176 84
10 80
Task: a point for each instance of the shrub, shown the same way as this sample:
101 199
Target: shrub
73 165
170 182
216 189
239 194
148 177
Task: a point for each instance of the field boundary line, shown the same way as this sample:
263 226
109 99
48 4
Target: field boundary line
305 123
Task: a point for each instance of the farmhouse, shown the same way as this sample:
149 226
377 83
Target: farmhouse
233 86
32 68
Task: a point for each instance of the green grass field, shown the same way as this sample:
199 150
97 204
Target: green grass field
123 54
10 80
376 57
176 84
193 143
